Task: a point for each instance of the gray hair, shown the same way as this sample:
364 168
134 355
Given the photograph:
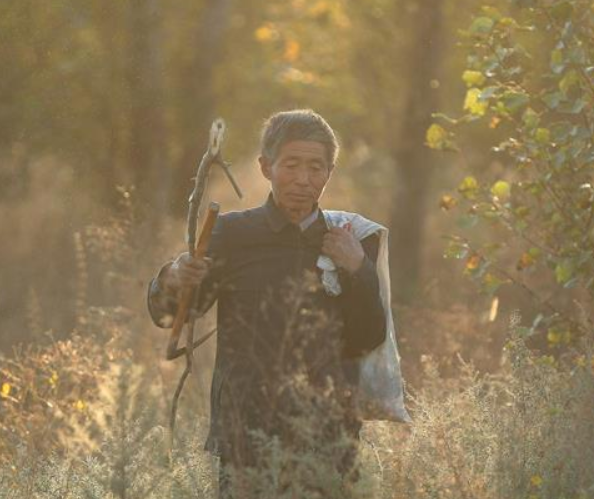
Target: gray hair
298 124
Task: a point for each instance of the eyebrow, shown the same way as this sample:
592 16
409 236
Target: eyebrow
311 160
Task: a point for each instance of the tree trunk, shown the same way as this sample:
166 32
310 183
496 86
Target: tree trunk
413 159
199 108
148 139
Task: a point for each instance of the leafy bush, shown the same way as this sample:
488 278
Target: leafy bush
540 215
47 389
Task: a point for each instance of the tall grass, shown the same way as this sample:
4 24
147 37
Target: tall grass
524 432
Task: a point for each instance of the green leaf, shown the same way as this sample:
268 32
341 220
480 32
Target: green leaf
577 55
557 61
553 99
467 221
487 93
562 130
530 118
513 101
456 249
568 81
524 332
564 271
562 11
575 107
491 12
543 136
491 283
559 158
481 25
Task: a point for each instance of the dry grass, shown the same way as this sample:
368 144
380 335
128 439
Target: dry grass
83 419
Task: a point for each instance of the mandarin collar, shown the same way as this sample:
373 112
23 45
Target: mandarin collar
276 218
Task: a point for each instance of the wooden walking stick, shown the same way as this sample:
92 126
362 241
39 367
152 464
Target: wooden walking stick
188 295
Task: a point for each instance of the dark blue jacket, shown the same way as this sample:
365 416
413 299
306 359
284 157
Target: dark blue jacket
274 318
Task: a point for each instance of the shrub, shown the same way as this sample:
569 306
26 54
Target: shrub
540 214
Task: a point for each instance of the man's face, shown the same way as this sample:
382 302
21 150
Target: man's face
298 175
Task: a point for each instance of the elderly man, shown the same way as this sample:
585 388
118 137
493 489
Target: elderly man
275 320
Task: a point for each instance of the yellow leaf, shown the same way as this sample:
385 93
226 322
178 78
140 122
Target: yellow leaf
447 202
294 75
525 261
436 136
292 50
556 337
501 189
508 22
472 103
319 9
542 135
53 379
266 33
5 391
468 187
79 405
494 123
473 78
473 262
553 337
492 12
536 480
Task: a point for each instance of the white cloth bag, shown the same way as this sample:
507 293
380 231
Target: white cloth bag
381 389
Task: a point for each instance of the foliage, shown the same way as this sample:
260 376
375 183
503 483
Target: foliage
522 433
525 432
48 390
541 102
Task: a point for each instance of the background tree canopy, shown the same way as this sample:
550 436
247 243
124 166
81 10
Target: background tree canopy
105 110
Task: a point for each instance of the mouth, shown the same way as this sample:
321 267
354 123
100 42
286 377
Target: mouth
298 196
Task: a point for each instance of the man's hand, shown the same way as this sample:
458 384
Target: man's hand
344 248
186 271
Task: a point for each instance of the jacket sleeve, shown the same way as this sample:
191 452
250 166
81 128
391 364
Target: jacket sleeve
363 312
162 302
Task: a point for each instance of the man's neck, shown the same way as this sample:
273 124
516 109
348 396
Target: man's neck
298 216
295 216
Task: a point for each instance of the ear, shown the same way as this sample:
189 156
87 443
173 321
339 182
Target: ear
265 167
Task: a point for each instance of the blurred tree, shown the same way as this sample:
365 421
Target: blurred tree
201 51
414 164
147 137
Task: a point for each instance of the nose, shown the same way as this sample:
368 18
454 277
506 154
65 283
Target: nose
302 177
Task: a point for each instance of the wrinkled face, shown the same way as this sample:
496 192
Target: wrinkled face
298 175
